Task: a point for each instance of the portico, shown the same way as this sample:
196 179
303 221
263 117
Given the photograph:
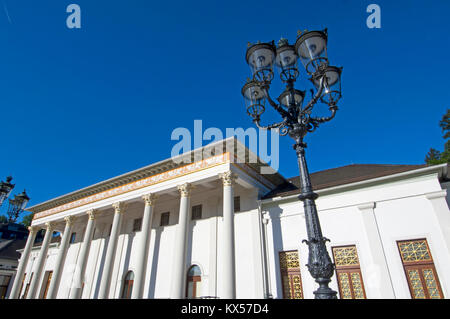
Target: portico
106 247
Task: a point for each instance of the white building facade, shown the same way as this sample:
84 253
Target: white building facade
208 224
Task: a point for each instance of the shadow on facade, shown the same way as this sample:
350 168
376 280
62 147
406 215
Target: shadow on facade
151 287
100 271
277 241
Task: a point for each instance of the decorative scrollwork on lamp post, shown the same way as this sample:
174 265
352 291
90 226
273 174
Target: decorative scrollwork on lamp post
297 120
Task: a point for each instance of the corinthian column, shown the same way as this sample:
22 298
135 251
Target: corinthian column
141 263
179 258
62 252
111 250
80 270
40 262
229 268
14 294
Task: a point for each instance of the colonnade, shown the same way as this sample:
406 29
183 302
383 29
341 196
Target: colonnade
180 249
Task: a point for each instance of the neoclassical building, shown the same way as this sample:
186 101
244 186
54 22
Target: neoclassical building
210 224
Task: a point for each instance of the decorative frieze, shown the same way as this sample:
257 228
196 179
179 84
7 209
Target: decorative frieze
148 181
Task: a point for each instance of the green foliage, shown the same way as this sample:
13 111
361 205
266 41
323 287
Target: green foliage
3 219
434 156
26 220
445 124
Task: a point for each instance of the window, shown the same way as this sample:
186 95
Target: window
419 268
194 278
348 272
4 283
46 285
164 219
290 275
72 237
196 212
137 225
237 204
127 285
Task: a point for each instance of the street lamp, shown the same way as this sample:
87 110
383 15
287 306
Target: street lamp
311 49
5 189
17 205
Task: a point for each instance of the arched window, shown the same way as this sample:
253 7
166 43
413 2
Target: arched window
127 285
194 278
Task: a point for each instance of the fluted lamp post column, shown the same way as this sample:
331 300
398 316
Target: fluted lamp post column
298 120
40 263
141 263
15 290
179 260
62 253
77 289
105 284
229 265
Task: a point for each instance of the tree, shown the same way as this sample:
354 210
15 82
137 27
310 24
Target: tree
445 124
3 219
26 220
434 156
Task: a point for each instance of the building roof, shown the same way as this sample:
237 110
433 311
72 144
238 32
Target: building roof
8 248
340 176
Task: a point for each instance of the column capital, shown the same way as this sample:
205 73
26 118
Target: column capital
150 199
92 213
366 206
228 178
69 220
438 194
185 189
119 207
49 226
33 229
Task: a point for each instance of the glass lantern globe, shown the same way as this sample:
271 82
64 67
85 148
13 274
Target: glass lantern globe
22 200
260 58
255 98
332 84
286 61
285 98
311 47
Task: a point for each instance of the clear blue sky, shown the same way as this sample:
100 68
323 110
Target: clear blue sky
81 106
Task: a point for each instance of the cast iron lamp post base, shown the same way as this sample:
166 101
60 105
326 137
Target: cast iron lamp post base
319 264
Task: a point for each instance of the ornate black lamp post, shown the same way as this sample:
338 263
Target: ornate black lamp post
17 205
5 189
311 48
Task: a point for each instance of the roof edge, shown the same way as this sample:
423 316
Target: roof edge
441 169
